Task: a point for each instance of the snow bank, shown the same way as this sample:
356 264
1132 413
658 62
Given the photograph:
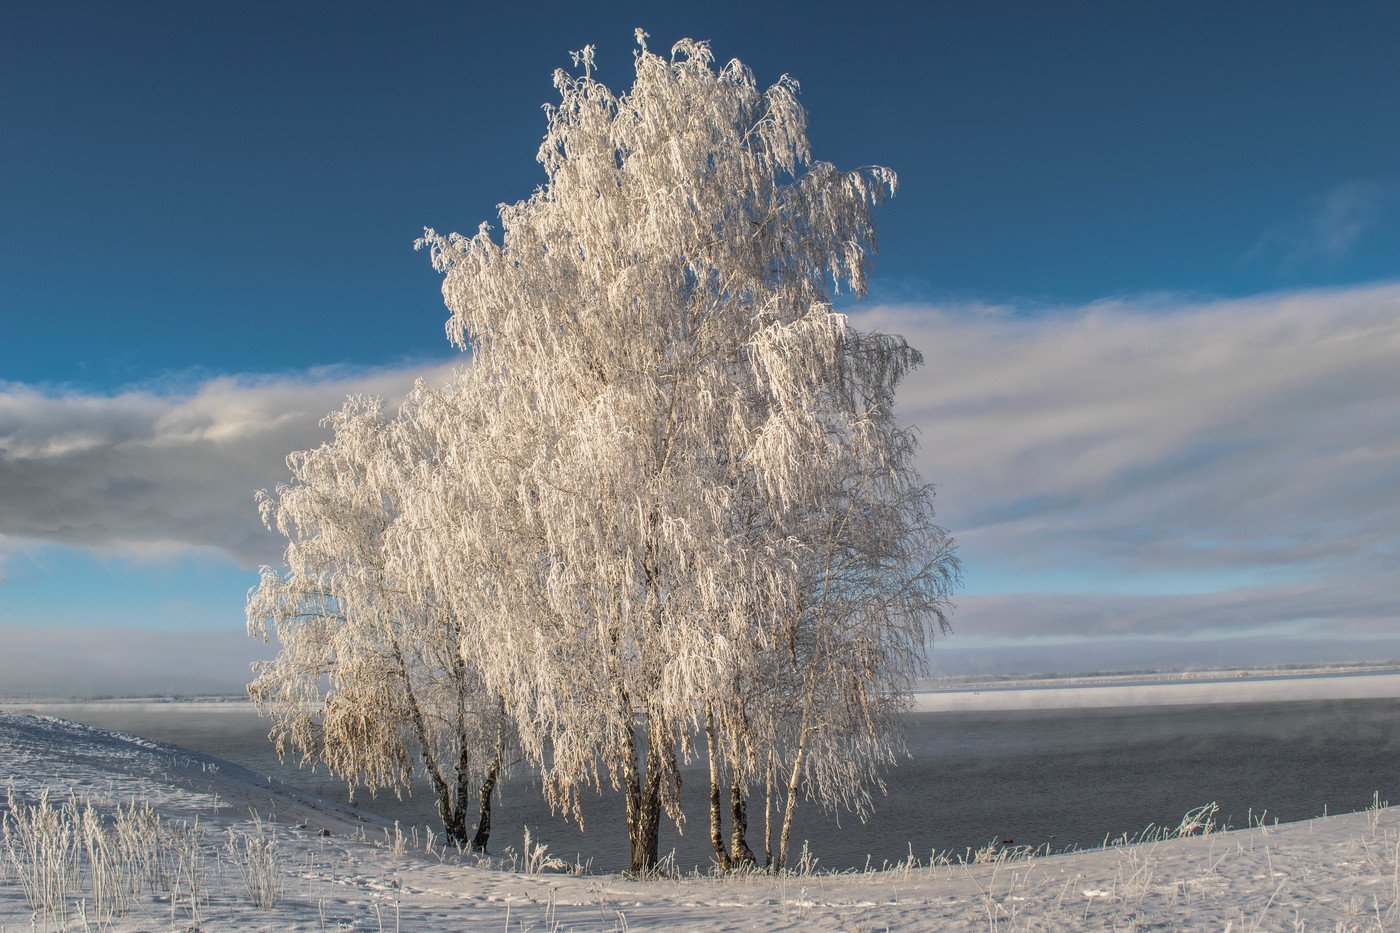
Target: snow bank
340 872
1244 689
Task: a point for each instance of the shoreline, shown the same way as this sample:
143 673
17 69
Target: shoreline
1067 693
1079 694
962 684
341 868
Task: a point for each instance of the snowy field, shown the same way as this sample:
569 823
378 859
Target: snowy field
339 868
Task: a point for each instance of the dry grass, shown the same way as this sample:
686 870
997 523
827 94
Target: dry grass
254 853
76 862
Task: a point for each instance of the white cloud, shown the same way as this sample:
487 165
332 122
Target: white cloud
144 473
1365 607
1214 441
1128 470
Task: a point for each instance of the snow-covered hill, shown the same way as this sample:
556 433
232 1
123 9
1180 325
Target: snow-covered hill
340 869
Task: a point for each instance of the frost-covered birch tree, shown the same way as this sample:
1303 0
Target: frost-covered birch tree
370 680
689 508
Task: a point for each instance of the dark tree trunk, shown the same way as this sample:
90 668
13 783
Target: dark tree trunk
488 789
649 828
483 820
454 818
453 813
716 832
768 813
739 852
632 790
644 802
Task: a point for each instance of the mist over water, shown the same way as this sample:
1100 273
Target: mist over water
1064 777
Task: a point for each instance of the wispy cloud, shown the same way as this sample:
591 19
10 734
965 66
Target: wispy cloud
1328 229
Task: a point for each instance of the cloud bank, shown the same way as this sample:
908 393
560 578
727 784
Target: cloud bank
125 661
1122 472
150 472
1177 467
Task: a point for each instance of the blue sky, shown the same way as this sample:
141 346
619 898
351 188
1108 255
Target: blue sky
1122 231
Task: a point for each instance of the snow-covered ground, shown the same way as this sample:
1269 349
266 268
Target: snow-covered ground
339 871
1089 693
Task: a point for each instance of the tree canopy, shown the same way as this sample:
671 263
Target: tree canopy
668 497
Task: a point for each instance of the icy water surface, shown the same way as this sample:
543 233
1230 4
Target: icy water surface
1062 777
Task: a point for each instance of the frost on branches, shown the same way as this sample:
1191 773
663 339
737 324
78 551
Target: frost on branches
666 512
370 675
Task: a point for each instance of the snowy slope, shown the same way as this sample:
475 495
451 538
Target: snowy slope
1337 870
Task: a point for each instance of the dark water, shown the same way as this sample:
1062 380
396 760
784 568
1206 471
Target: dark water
1058 777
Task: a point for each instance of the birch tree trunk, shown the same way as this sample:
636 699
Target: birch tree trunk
453 814
632 794
739 852
488 788
644 817
716 832
768 813
790 805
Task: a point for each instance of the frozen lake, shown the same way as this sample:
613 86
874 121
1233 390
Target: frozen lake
1064 776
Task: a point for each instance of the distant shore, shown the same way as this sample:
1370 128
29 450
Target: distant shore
1164 689
1022 691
